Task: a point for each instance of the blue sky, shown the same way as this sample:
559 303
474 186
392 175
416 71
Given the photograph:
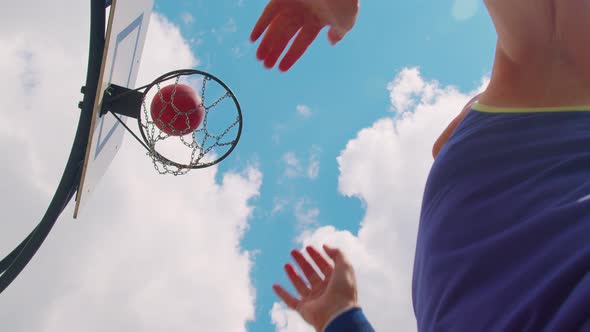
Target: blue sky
335 150
345 89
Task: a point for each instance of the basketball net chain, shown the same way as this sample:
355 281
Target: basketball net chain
199 150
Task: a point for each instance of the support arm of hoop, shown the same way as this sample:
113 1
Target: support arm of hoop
121 100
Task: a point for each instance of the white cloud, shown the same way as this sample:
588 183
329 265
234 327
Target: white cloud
304 111
279 205
277 131
197 39
165 50
408 88
150 252
187 18
385 166
230 26
313 168
306 213
293 166
464 9
286 320
241 49
237 51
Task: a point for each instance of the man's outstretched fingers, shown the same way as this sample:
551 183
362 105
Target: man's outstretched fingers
320 261
288 28
335 254
305 37
308 270
289 299
334 36
270 11
271 37
296 280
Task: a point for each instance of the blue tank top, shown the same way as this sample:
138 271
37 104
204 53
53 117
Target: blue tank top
504 236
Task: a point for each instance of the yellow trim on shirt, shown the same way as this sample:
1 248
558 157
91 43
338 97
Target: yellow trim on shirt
492 109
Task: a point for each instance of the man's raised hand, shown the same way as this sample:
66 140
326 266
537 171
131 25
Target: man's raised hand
320 298
284 19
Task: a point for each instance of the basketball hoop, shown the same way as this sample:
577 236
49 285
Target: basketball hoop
176 151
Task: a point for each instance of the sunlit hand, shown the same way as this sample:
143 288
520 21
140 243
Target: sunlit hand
321 298
282 19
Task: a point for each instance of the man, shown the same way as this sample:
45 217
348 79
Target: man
504 236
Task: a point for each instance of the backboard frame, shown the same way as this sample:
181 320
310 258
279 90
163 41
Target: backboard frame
124 40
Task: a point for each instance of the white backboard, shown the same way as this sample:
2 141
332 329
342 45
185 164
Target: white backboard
125 36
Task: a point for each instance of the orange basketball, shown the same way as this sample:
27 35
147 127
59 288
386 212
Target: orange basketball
176 110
